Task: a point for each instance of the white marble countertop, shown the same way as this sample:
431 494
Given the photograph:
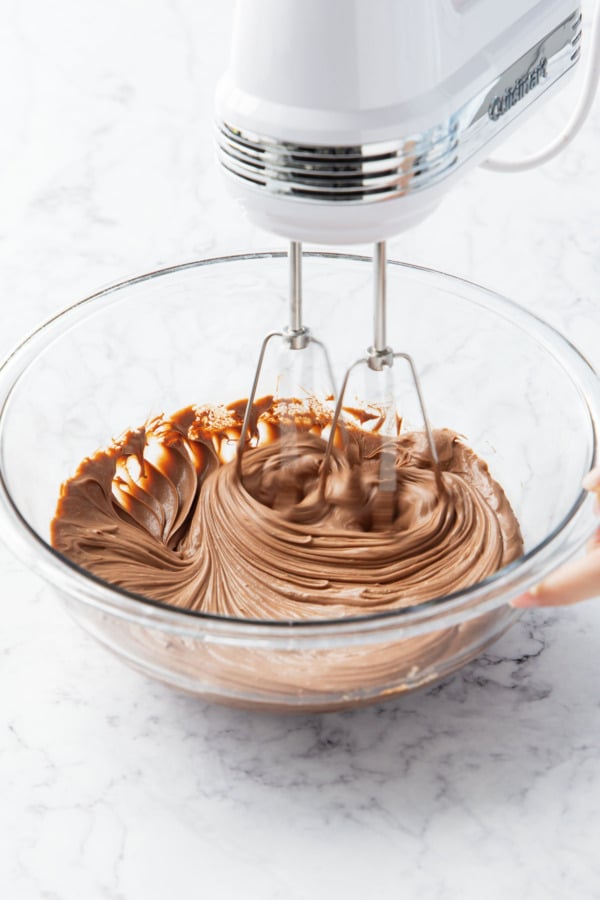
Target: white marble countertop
115 787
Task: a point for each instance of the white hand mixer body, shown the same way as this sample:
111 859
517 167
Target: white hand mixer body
346 121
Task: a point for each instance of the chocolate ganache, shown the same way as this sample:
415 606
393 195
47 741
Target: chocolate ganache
165 512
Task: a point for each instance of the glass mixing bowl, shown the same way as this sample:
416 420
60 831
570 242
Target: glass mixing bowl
525 399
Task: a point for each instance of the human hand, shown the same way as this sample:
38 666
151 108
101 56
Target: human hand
578 579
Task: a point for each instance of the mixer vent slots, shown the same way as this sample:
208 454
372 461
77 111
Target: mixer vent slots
576 41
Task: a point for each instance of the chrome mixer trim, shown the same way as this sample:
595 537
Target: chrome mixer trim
373 172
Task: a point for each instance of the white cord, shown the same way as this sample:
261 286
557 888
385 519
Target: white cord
590 85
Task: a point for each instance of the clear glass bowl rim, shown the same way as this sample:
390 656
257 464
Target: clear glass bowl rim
455 608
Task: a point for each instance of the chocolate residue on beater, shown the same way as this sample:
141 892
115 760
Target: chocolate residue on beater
161 513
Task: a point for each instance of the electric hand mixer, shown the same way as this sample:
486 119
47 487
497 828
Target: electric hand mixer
346 121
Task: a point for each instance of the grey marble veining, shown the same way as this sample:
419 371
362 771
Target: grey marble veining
113 786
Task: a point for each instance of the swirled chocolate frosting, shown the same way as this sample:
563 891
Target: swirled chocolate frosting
166 512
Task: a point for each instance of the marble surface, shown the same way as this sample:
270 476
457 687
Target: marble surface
115 787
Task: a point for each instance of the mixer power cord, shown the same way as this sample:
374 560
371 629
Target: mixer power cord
574 125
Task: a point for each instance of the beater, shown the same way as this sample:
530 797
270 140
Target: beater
347 121
295 335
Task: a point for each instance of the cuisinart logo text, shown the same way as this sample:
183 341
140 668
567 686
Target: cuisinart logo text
512 95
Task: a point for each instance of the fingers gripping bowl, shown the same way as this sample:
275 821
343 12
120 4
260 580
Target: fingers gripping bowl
526 401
